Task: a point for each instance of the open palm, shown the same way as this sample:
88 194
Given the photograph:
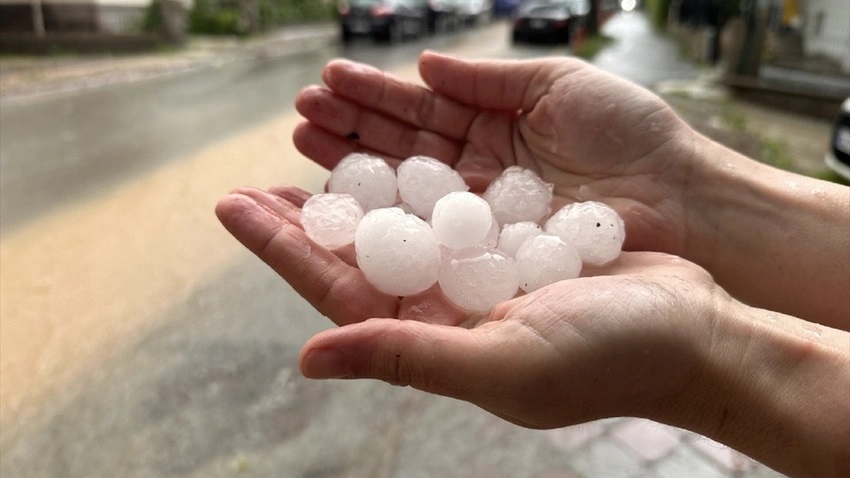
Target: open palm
525 360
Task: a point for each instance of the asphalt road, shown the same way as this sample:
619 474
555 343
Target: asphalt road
138 339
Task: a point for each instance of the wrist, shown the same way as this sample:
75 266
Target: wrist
769 237
773 387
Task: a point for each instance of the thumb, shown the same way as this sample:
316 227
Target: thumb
507 85
450 361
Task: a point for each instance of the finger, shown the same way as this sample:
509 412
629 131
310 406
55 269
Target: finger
293 194
292 213
397 98
325 148
468 364
492 84
373 130
333 287
277 204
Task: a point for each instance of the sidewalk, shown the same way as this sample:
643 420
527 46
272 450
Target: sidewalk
36 76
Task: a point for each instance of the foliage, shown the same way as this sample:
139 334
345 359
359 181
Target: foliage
282 12
658 12
215 17
223 17
590 46
830 175
152 21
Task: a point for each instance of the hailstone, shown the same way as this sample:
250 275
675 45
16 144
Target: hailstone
492 237
518 195
397 252
461 219
545 259
513 235
478 278
595 229
423 180
331 219
368 178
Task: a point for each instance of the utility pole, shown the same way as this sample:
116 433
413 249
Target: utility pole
37 18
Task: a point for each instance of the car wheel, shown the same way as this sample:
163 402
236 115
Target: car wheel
517 37
346 36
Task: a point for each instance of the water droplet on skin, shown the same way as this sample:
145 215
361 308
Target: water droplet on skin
813 330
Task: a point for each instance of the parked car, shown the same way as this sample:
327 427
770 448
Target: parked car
552 20
838 156
442 15
473 12
505 8
385 20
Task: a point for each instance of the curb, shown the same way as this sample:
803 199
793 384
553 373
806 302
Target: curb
31 77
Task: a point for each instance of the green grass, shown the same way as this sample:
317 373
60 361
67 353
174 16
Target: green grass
590 46
830 175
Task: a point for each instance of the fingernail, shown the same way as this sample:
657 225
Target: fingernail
326 363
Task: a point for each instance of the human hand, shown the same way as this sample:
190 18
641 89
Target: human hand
591 134
619 342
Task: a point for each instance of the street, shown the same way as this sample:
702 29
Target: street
140 340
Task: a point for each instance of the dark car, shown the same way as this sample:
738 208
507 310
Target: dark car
548 20
473 12
442 15
385 20
838 156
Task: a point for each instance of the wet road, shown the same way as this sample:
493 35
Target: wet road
138 339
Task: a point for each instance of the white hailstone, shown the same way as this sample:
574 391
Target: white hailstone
595 229
478 278
397 252
461 219
368 178
519 195
407 208
513 235
423 180
492 237
331 219
545 259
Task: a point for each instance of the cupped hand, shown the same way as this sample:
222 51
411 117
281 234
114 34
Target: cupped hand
593 135
618 341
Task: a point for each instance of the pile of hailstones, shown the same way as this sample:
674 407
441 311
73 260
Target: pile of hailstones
419 225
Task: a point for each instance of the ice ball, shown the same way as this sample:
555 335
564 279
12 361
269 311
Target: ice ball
368 178
461 219
492 237
397 252
595 229
517 195
423 180
545 259
513 235
478 278
331 219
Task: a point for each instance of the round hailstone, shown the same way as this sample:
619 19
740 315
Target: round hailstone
397 252
368 178
513 235
545 259
492 238
423 180
478 278
331 219
519 195
595 229
461 220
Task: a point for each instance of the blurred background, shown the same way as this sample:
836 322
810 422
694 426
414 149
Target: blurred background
138 339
